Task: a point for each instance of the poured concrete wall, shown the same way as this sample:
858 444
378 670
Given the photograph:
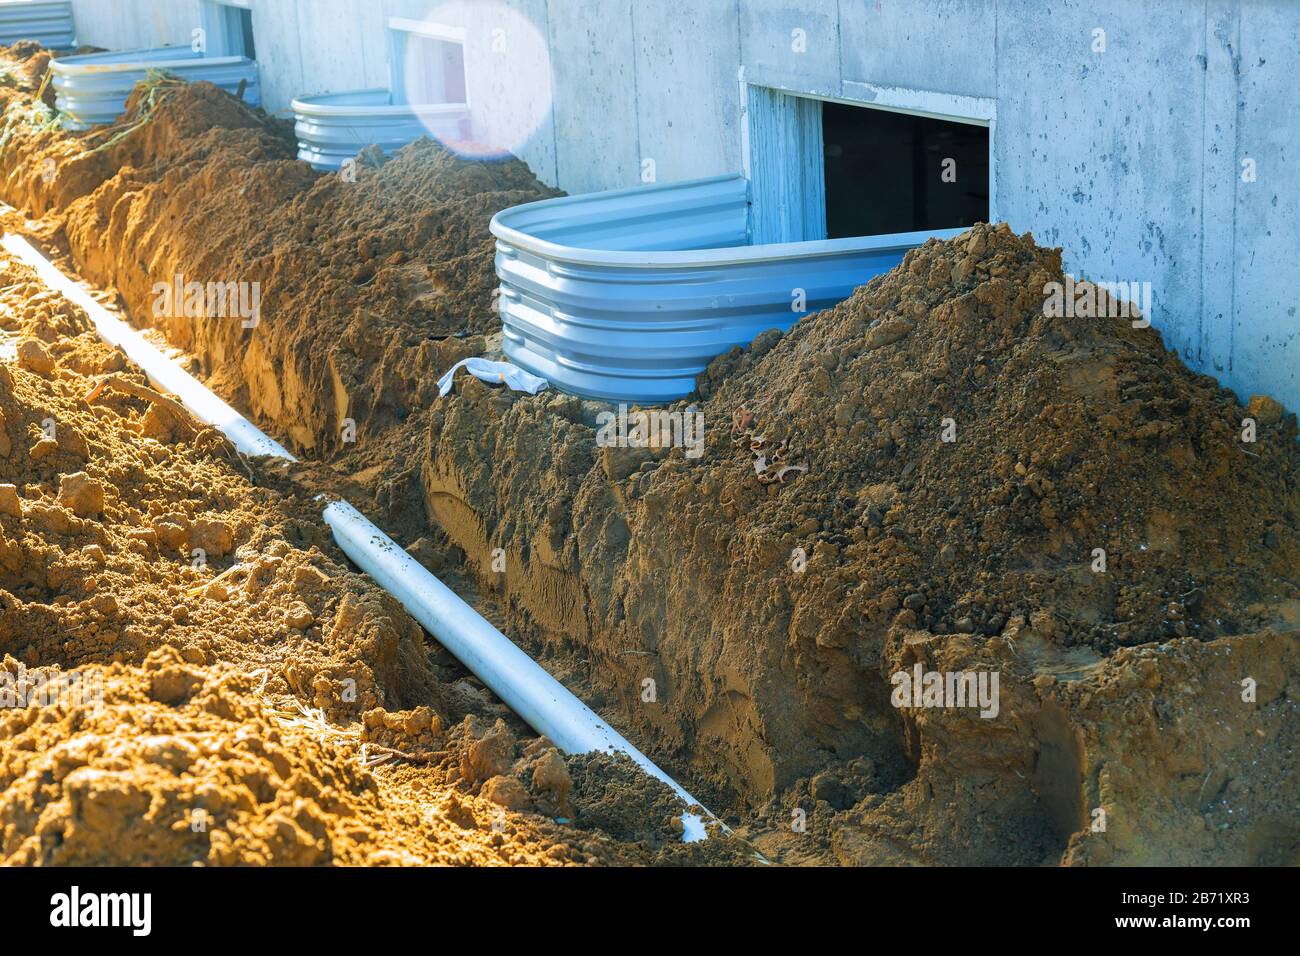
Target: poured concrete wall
1130 158
125 24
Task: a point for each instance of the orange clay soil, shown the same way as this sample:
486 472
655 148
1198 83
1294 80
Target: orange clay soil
190 674
771 617
367 287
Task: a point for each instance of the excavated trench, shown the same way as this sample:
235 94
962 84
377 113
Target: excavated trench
750 632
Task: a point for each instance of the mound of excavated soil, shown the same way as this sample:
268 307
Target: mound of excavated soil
174 764
772 614
122 526
1067 435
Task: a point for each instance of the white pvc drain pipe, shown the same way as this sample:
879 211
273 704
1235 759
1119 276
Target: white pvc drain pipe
542 701
165 373
537 697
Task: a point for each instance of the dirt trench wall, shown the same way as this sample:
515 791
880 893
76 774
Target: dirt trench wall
648 586
190 674
1148 756
1179 754
367 289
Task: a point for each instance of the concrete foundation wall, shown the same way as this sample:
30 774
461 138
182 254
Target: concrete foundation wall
1130 157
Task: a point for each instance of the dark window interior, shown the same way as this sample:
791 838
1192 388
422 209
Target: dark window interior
885 172
246 31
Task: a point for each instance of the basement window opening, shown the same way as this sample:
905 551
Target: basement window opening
230 29
891 172
428 63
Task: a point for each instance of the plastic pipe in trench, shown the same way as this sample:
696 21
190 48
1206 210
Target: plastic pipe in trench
537 697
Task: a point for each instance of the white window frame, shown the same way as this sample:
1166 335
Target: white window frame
217 22
951 107
398 29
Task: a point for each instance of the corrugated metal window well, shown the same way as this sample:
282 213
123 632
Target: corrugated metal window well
427 95
628 295
48 22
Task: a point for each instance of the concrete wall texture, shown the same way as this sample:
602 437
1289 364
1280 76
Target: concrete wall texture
1162 150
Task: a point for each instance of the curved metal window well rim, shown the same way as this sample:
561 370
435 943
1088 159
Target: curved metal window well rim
335 104
142 60
726 255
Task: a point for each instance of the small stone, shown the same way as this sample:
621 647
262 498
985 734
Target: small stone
171 685
551 777
827 787
491 755
12 557
33 357
9 503
1265 409
506 792
809 526
82 495
299 616
886 333
43 449
905 618
175 753
156 425
171 534
619 463
914 601
213 536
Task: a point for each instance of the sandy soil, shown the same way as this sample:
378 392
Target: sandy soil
771 615
190 672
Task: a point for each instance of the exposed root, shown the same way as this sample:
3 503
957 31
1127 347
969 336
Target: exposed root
203 437
768 461
312 720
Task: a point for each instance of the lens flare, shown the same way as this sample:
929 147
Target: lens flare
478 77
